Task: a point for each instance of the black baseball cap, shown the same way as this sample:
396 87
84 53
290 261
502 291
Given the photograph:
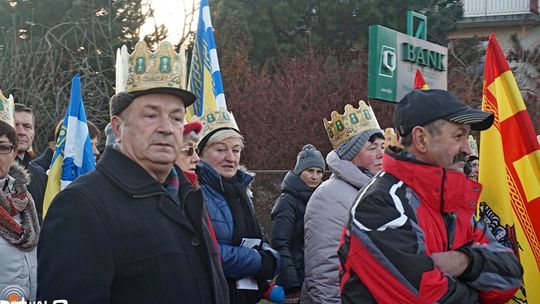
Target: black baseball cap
421 107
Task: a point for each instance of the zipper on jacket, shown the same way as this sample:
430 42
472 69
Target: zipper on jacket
449 218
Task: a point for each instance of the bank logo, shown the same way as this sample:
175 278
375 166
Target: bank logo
388 61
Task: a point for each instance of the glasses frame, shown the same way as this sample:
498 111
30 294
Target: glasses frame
7 152
190 150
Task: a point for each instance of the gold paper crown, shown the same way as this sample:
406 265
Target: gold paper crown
144 69
354 121
218 119
7 106
390 138
473 145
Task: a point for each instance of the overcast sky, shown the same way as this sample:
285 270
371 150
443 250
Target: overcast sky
168 12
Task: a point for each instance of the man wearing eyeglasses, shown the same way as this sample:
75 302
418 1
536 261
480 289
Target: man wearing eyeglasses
24 128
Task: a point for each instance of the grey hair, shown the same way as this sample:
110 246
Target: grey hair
434 128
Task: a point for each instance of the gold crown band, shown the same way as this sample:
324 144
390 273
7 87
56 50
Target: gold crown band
218 119
354 121
144 69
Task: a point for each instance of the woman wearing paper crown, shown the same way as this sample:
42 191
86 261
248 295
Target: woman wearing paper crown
247 259
358 145
288 218
19 228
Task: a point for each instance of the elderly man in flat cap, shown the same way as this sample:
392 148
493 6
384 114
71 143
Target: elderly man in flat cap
133 230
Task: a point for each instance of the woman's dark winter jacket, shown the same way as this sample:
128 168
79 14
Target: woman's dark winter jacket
288 230
116 235
238 261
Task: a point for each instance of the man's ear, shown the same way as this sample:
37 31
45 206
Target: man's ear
116 123
419 139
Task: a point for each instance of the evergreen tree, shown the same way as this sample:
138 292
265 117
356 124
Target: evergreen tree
282 28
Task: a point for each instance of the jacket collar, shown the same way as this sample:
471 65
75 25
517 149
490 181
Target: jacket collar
346 170
296 187
127 174
210 177
440 189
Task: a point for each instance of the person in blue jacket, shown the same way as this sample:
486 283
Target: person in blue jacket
248 260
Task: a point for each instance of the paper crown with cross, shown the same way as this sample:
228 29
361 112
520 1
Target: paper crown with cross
7 106
162 71
354 121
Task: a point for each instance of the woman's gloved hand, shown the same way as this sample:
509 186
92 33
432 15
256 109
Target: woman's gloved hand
268 266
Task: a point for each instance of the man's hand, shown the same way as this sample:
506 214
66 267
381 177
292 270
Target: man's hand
453 263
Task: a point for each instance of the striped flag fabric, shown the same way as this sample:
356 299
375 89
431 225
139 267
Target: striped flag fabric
419 82
73 154
205 75
510 171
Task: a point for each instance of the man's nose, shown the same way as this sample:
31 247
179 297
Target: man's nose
465 148
166 126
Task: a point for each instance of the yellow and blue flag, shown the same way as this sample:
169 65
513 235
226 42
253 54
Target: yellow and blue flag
73 154
205 76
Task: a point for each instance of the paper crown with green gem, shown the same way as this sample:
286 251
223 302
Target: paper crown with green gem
218 119
7 106
473 145
354 121
144 69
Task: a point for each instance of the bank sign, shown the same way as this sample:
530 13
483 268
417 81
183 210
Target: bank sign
394 58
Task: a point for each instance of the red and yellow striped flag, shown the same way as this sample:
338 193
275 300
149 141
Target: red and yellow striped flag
509 171
419 82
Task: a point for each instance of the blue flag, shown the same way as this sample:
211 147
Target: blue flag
73 155
205 76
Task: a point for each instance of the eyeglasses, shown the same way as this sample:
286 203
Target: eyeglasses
190 150
6 149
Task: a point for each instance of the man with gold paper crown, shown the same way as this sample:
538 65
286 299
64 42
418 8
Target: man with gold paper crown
133 230
358 143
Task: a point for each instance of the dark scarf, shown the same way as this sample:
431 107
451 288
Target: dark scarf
18 201
245 221
245 226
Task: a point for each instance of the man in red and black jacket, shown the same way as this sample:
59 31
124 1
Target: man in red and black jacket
411 235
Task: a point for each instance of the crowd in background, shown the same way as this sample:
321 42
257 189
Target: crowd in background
168 213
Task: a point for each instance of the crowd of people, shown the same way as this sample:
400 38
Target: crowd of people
167 215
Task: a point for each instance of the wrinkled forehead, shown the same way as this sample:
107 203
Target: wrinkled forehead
159 102
24 117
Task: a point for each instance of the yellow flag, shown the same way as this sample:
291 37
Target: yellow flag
509 171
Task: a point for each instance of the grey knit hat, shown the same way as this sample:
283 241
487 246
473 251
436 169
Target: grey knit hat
307 158
349 149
